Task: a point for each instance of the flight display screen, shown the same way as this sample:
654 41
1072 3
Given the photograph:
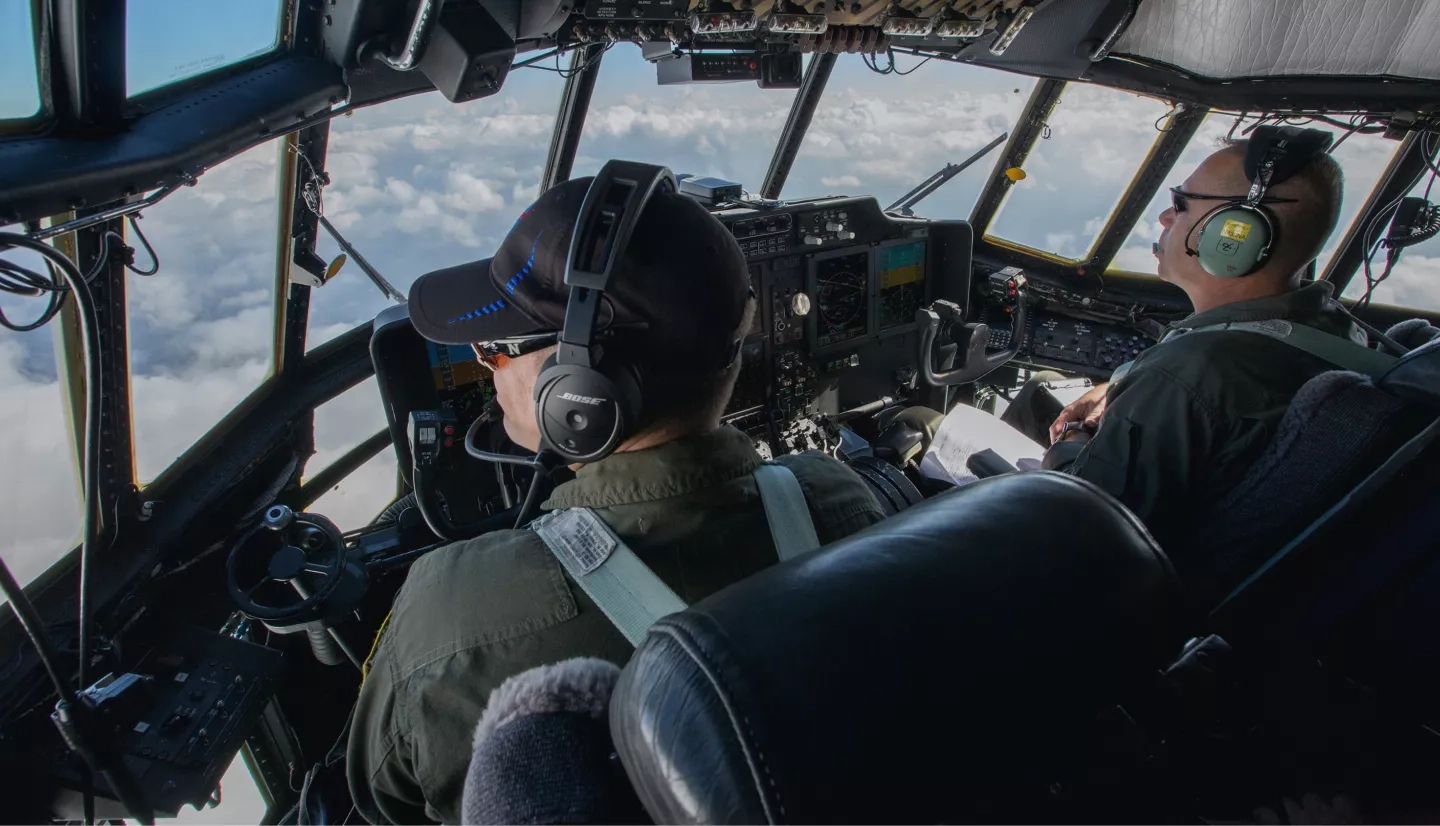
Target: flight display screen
901 270
841 293
453 366
461 381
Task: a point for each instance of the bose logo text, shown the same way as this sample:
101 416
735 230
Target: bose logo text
571 397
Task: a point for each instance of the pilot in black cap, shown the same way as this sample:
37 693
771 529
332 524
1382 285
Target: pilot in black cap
679 289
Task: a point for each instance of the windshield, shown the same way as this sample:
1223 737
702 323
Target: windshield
882 134
19 81
167 41
40 490
1089 150
420 184
723 130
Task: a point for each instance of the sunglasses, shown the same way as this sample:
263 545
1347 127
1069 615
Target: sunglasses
1180 199
496 354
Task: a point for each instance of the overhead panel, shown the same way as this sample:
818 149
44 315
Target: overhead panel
1224 39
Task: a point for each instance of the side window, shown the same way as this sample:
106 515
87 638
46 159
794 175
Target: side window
240 800
20 93
1095 141
723 130
882 135
422 183
1415 279
40 488
340 424
202 329
167 41
1363 159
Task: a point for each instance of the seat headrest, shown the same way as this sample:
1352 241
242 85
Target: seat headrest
937 666
1416 377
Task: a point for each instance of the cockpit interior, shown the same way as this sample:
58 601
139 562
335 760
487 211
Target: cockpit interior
227 443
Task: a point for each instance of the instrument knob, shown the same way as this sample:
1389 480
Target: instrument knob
814 240
834 226
800 304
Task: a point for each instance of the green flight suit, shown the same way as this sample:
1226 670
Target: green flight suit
1193 415
474 613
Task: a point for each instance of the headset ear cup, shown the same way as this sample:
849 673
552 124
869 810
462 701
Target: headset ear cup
629 393
1234 241
578 412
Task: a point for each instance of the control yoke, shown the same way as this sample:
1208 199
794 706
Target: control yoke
972 361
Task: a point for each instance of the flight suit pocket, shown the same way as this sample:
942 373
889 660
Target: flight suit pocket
1106 461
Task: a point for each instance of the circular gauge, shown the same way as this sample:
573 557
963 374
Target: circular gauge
841 297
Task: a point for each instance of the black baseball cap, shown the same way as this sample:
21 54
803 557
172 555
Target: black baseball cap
679 289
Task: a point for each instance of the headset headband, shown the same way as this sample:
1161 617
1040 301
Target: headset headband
1276 153
608 217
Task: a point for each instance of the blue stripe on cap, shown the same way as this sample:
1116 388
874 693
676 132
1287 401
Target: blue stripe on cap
525 270
493 307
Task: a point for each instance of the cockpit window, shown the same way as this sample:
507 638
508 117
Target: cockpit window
1415 279
202 329
1095 141
723 130
172 40
420 183
40 488
341 424
1136 256
883 134
20 88
1363 158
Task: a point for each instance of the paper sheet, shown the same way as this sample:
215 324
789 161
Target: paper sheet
966 431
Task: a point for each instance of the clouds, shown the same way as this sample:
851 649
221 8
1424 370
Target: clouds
40 488
340 424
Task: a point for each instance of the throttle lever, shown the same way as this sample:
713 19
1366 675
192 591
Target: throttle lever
972 361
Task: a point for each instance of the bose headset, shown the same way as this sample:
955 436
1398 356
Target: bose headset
587 401
1236 238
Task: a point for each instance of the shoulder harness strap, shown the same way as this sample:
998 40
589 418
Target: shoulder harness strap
790 525
627 591
1341 352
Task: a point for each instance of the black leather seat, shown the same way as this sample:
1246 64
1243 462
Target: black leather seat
946 664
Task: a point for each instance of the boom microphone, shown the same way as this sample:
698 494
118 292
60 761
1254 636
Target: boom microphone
543 752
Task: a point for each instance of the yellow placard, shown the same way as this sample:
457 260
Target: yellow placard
902 275
1236 230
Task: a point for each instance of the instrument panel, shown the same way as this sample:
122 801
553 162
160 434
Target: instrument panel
838 283
1066 331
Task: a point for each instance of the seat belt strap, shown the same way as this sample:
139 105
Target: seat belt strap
1341 352
627 591
791 528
